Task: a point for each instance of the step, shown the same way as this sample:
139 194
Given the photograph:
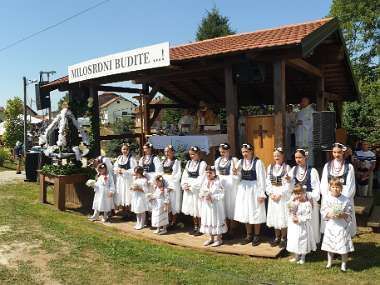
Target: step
374 219
363 205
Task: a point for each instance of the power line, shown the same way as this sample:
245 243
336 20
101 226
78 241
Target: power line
54 25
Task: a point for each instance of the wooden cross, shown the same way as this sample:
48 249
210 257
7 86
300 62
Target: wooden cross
261 133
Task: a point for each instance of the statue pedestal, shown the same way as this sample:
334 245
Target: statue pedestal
67 188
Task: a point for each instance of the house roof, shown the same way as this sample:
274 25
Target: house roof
107 98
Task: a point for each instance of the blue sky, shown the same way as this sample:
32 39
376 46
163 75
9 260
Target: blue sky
119 25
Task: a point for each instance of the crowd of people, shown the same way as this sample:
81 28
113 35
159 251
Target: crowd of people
300 206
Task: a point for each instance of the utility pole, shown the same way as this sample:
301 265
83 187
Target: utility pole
25 117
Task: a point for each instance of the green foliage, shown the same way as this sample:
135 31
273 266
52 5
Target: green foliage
4 155
171 116
67 169
14 126
214 25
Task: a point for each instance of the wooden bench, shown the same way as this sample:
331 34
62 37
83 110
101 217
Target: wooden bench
363 206
374 219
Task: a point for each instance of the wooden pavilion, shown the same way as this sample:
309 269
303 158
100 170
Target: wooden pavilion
273 67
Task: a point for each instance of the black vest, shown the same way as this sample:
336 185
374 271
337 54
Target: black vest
169 168
127 165
343 177
224 170
249 175
306 182
276 180
149 167
193 174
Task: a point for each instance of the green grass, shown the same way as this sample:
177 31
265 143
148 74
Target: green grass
81 252
8 165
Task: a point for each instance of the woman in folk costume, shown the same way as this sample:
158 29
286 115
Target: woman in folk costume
250 196
278 191
336 210
224 167
124 168
300 232
160 202
191 181
139 202
172 173
150 163
104 191
213 220
308 177
338 168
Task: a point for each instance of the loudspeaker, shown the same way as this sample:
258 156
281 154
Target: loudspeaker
42 97
249 72
324 125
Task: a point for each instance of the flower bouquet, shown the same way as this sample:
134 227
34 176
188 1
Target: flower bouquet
337 209
90 183
292 207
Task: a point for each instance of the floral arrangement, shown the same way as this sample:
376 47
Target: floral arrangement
292 207
91 183
337 209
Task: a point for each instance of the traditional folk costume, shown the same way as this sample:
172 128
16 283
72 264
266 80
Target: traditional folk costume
337 238
309 179
102 201
160 202
212 211
276 184
345 172
224 169
300 235
250 188
124 180
172 174
139 202
152 167
193 176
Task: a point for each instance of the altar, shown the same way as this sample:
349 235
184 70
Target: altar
204 142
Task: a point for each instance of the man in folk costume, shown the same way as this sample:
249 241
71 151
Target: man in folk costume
304 127
344 171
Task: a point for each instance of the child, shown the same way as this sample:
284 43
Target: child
300 232
160 201
104 191
336 210
212 211
139 204
278 189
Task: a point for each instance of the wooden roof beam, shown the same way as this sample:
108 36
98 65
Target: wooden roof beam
118 89
305 67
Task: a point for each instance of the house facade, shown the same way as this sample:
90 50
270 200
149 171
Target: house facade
113 106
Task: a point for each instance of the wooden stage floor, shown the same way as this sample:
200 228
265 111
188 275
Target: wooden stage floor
181 237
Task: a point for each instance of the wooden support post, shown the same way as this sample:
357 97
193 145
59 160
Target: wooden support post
95 121
232 109
279 103
59 194
43 189
338 106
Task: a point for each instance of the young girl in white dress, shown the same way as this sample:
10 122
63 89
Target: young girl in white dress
124 169
104 191
336 210
191 181
338 168
172 173
300 232
212 213
278 191
139 203
224 167
250 196
160 202
308 177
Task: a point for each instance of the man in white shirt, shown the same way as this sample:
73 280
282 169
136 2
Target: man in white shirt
365 162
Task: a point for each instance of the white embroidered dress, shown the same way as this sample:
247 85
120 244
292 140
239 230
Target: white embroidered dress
212 212
229 183
337 237
124 180
160 202
247 208
337 169
191 203
139 203
300 235
174 184
103 186
277 216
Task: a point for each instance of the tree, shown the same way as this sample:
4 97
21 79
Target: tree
360 25
213 25
14 125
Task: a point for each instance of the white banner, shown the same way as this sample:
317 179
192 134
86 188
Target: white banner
138 59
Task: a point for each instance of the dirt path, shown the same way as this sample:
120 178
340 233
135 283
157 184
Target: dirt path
10 176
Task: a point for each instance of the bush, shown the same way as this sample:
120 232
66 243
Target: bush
4 155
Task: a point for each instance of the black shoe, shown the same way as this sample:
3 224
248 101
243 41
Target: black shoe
256 241
282 243
247 240
275 242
